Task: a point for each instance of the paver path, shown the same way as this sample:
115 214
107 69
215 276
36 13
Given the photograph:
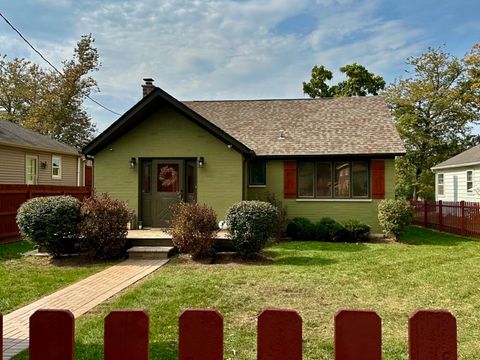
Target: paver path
78 298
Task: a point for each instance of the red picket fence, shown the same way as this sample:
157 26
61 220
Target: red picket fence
13 196
432 335
462 218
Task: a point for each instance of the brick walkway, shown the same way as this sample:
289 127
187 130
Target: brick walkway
78 298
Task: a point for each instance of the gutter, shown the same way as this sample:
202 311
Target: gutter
454 166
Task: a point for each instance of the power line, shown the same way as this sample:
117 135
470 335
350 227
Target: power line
49 63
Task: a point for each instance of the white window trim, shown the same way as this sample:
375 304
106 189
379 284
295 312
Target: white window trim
59 176
472 181
438 184
27 157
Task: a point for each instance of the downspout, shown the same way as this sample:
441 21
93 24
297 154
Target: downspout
79 164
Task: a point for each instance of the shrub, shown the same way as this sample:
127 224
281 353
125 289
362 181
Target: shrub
251 223
394 216
51 222
282 221
355 231
194 229
301 229
327 229
103 227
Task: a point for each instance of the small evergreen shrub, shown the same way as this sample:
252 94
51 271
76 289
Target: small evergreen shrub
194 229
327 229
301 229
355 231
251 223
394 216
51 222
280 228
103 227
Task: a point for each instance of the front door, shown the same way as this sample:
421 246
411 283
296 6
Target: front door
164 183
168 189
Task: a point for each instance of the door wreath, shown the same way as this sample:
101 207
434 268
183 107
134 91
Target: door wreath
167 176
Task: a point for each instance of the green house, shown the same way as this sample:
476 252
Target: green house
321 157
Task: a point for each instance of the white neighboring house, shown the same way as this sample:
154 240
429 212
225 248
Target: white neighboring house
458 178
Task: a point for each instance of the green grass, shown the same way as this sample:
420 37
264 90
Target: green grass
26 279
427 270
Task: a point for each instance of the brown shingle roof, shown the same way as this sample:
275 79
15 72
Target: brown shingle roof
17 135
470 156
338 126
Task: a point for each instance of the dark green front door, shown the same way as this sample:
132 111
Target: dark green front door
167 187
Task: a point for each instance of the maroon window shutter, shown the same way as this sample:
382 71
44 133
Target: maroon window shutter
378 179
290 179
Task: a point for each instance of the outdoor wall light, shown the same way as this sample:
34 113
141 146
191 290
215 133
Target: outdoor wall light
43 165
133 162
201 161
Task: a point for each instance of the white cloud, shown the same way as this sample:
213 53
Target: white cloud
227 49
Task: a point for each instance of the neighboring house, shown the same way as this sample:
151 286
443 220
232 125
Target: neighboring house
27 157
321 157
458 178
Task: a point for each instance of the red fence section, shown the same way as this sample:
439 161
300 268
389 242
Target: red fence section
432 335
13 196
462 218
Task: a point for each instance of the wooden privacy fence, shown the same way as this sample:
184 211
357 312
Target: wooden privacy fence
13 196
432 335
462 218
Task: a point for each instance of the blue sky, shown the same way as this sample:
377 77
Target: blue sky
216 49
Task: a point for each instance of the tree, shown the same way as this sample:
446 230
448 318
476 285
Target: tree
434 111
50 102
359 82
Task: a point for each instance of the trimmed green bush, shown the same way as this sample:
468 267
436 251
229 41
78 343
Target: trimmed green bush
355 231
103 227
194 229
394 216
51 222
280 228
328 229
251 223
301 229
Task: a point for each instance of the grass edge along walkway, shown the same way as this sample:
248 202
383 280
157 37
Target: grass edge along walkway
78 298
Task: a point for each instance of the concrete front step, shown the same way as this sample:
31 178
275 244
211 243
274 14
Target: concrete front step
150 242
150 252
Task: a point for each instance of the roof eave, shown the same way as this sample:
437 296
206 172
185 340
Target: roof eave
371 155
39 148
441 167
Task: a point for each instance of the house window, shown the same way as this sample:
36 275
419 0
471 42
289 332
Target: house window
360 179
147 176
56 167
338 179
440 187
31 170
469 180
324 179
306 176
257 174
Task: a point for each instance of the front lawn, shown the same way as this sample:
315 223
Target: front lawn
427 270
26 279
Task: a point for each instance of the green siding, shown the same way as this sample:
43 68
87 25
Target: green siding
168 134
314 210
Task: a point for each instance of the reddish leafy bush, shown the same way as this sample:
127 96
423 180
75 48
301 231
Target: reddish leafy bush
193 229
103 228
